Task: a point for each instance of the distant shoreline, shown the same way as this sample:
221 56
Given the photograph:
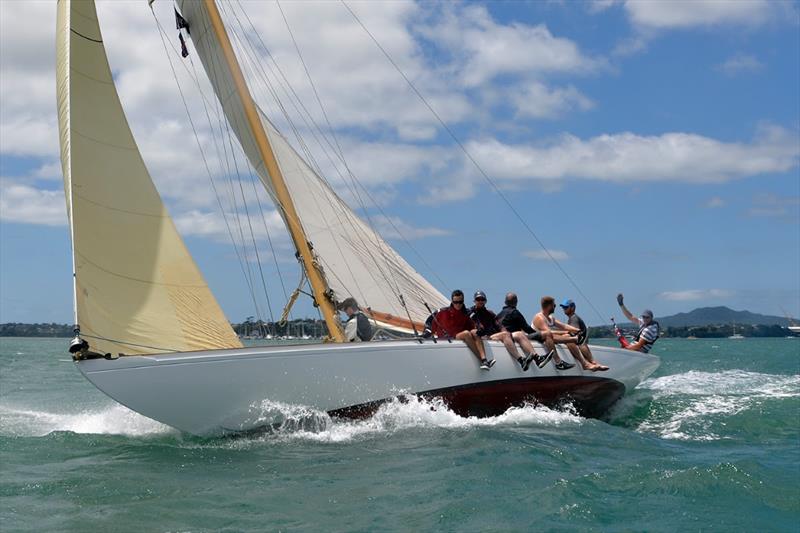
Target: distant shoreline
317 328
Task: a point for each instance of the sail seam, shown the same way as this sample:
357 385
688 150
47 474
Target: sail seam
146 282
104 206
79 34
76 71
98 141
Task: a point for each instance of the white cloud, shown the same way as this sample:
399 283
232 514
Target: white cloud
536 100
485 49
653 17
627 157
541 255
212 225
740 64
695 294
396 228
715 202
684 14
29 205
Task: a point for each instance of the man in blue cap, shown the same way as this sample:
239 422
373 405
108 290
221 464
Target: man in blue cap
580 351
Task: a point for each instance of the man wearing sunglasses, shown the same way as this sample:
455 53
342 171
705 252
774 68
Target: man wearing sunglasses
488 326
453 322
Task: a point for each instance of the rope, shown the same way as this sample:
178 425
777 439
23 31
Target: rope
474 162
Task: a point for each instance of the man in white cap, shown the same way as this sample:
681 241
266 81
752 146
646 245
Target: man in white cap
648 332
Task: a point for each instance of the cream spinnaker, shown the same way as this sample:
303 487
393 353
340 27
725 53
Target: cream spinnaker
137 288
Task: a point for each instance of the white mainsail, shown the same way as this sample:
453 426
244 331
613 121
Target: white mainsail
356 260
137 289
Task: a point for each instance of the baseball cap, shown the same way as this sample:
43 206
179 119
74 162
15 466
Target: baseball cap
480 295
647 313
567 303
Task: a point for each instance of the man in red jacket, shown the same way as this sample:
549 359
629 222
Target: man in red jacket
453 322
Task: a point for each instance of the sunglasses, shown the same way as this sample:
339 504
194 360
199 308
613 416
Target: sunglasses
456 302
480 299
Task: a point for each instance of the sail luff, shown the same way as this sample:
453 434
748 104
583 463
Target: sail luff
62 77
315 277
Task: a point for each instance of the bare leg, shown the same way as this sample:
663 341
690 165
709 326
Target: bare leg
508 342
550 344
576 354
476 347
524 342
587 354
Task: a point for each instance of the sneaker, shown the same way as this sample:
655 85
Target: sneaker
521 361
526 363
542 360
485 365
491 362
563 365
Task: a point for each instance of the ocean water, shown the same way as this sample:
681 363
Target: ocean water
710 443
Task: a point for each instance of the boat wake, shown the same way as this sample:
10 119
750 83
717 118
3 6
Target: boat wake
298 422
699 406
113 420
400 415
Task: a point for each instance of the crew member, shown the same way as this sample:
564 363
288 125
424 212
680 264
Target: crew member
357 328
580 351
648 333
453 322
521 332
548 327
488 326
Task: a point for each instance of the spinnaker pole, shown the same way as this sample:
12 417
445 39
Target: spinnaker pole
318 285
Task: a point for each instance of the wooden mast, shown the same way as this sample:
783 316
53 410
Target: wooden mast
318 285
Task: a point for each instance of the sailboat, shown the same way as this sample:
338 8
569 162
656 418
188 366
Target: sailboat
150 333
735 335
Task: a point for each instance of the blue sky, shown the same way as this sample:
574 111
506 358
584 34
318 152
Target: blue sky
652 146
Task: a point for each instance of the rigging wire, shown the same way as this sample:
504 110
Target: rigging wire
255 67
473 161
162 34
390 261
339 152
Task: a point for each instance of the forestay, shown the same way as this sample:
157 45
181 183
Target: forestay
355 259
137 289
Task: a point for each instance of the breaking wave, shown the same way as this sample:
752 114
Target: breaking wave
298 422
401 415
700 406
113 420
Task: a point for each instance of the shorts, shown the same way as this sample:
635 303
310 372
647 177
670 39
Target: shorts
536 336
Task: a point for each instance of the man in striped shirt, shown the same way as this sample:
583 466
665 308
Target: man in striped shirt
648 332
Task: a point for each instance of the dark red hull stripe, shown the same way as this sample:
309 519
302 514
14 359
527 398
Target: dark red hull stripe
591 396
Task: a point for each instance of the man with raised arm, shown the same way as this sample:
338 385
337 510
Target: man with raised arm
580 351
648 333
521 332
552 331
453 322
488 326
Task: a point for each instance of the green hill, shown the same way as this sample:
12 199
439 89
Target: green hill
707 316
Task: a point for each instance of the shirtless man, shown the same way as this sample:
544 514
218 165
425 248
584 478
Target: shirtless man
552 332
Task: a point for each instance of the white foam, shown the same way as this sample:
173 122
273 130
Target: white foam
113 420
395 416
727 382
703 399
